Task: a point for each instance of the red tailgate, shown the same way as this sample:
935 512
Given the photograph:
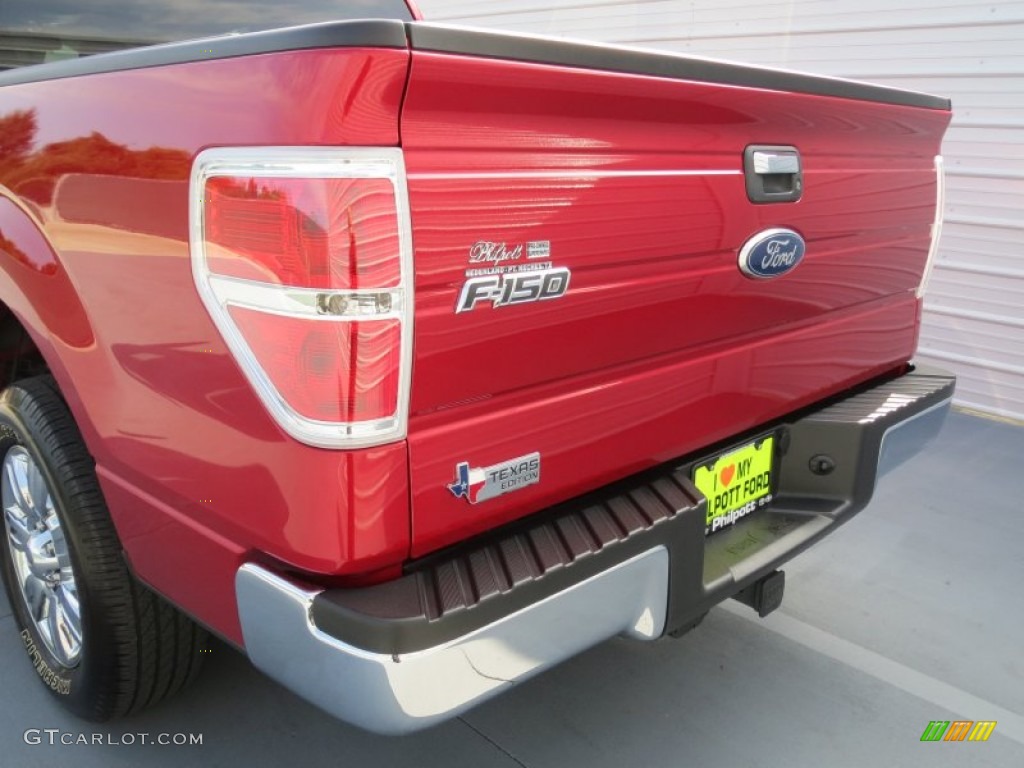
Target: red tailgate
660 345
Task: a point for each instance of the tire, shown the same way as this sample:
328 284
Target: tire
128 648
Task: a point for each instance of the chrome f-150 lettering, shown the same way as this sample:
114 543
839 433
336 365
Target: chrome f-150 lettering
514 288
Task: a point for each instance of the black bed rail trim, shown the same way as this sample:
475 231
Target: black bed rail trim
572 53
363 33
393 33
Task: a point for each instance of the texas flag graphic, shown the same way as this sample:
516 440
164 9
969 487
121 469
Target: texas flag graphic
468 482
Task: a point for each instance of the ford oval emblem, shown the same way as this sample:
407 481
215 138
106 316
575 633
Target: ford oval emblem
771 253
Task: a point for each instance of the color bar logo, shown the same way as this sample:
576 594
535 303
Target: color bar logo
958 730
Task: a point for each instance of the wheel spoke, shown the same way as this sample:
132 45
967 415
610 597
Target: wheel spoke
17 525
60 543
42 560
38 493
53 630
67 595
35 596
16 479
70 619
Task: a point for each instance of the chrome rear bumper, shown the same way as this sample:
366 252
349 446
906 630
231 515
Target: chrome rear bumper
399 693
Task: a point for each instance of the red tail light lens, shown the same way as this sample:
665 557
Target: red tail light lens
303 258
312 233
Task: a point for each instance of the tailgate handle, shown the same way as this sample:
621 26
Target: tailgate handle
774 174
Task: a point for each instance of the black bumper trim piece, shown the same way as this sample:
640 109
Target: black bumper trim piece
457 592
450 596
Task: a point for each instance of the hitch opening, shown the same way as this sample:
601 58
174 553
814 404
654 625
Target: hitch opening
765 594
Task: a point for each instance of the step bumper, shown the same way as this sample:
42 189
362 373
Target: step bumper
631 560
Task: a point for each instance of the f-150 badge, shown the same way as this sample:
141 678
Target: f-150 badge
478 484
511 274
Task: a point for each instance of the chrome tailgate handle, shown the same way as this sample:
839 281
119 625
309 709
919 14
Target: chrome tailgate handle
776 162
774 174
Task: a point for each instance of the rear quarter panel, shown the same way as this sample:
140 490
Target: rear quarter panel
195 472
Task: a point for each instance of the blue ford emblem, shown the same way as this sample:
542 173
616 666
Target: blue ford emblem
771 253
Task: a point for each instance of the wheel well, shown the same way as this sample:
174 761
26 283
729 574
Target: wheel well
19 356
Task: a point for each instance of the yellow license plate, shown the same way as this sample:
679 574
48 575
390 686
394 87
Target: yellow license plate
736 483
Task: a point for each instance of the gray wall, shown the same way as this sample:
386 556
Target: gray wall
970 51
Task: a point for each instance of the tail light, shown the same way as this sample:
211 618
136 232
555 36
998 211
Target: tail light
303 257
940 204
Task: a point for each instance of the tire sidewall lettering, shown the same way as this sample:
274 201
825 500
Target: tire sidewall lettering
56 682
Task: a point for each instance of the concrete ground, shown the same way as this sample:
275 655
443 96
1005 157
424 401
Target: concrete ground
910 613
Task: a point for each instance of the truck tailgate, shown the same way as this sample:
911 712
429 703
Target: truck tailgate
625 173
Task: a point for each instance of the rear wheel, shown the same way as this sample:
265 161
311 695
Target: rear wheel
102 643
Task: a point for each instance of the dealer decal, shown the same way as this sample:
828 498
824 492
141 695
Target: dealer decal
477 484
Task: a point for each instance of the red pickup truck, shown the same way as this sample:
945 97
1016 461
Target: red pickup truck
412 360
